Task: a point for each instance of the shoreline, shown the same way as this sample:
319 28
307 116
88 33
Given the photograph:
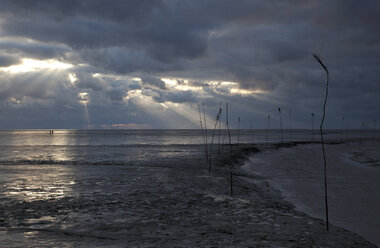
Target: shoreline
267 190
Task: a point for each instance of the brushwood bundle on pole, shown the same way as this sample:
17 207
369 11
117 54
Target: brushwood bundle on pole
318 59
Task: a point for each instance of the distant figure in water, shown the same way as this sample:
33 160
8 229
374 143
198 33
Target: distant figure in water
51 132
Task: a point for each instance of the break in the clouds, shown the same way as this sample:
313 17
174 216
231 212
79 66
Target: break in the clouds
149 64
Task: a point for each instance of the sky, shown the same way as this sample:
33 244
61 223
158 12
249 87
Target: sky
123 64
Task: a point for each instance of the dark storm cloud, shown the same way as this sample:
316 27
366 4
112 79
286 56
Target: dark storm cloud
177 97
86 81
119 60
6 60
115 10
152 81
142 25
161 31
264 45
103 91
32 49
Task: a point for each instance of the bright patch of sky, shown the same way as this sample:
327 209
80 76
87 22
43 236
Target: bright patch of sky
29 65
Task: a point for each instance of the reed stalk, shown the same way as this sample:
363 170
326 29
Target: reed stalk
322 141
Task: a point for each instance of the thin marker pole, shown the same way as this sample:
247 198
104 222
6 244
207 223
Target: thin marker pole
228 128
239 134
312 126
322 141
290 125
203 135
279 110
266 134
212 141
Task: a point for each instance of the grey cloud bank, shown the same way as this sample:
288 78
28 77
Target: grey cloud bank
131 46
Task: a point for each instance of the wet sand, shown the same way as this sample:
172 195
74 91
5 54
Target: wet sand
352 177
150 206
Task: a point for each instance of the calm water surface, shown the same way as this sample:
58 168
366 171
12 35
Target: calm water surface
131 147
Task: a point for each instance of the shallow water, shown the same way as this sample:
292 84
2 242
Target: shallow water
134 147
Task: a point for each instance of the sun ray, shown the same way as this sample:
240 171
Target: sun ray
84 99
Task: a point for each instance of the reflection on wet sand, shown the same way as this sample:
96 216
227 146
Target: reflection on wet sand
32 190
28 183
39 182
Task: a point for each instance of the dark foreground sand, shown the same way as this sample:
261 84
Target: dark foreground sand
119 206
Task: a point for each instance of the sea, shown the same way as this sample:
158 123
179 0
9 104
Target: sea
134 147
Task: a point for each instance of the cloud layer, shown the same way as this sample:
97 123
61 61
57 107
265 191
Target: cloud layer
143 63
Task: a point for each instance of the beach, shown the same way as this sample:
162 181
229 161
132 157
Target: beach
353 172
156 203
